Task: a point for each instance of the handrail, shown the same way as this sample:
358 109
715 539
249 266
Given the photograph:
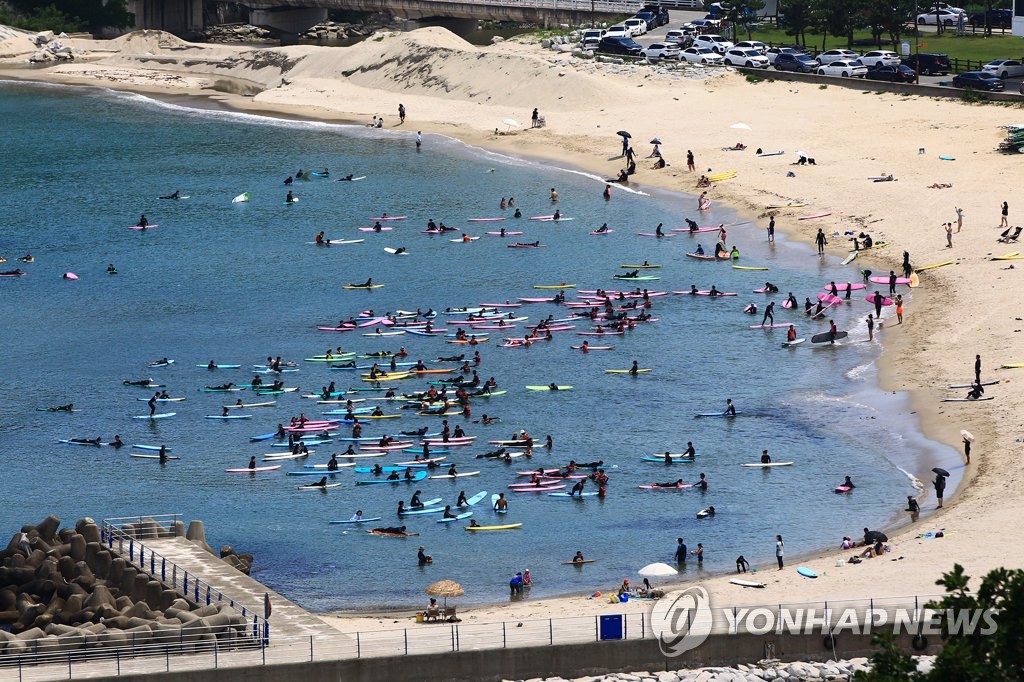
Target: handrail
418 639
166 571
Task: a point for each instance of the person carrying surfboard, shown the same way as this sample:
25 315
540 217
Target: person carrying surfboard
832 331
578 558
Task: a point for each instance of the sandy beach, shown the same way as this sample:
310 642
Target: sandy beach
450 87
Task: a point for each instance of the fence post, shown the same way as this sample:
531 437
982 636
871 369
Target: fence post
163 569
311 648
359 652
551 632
214 655
152 563
117 659
405 634
207 595
131 549
184 584
70 676
504 642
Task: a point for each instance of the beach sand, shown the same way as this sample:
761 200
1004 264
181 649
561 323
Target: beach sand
456 89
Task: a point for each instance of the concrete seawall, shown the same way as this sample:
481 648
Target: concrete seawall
568 661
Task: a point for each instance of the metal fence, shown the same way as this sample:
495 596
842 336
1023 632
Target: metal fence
431 638
121 535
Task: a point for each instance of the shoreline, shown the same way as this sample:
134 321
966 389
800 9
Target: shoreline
892 375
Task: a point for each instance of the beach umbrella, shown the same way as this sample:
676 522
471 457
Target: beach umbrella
445 589
875 536
624 134
511 123
656 140
657 570
740 126
801 153
940 471
968 436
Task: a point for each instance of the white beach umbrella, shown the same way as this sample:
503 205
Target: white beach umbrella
967 435
740 126
511 123
657 570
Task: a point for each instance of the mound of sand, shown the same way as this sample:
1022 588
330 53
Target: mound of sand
150 42
15 42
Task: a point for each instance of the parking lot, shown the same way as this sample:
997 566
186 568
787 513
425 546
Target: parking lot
679 17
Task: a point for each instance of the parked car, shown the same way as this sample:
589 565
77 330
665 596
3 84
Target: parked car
845 68
705 24
619 45
752 45
659 51
679 36
948 17
799 62
929 63
715 42
892 73
773 52
1004 68
701 55
876 58
637 27
660 13
997 18
749 57
829 56
617 31
978 80
590 38
648 18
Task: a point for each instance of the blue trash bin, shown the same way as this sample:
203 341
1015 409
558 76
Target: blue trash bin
610 627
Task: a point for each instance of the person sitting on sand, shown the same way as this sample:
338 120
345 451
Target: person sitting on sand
703 181
739 145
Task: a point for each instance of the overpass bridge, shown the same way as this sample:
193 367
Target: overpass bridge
295 16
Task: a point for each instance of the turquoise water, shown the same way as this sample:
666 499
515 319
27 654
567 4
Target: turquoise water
237 282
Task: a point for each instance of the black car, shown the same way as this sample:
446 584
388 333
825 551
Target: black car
978 80
801 63
660 14
996 18
929 64
616 45
893 74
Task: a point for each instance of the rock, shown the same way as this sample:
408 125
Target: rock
196 531
546 43
88 529
43 37
496 39
47 529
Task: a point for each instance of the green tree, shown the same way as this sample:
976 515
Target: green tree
890 663
797 17
890 17
90 15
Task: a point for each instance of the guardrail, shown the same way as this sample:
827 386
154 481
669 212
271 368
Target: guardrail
125 531
427 638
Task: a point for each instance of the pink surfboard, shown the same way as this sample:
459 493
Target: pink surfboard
699 229
721 293
870 298
853 287
391 217
885 280
484 220
538 489
375 229
829 298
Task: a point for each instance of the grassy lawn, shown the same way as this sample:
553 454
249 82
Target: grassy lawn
976 48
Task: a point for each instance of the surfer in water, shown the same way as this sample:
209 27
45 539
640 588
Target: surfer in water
290 199
671 484
832 331
174 195
765 457
143 222
658 231
791 334
769 315
730 409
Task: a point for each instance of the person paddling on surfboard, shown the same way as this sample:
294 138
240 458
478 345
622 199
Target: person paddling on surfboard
143 221
252 463
290 199
730 409
765 457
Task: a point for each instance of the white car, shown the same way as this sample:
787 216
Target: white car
705 23
844 68
1004 68
748 57
637 27
658 51
948 17
829 56
618 31
715 42
877 58
701 55
752 45
679 36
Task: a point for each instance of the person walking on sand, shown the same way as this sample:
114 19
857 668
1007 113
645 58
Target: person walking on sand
820 240
401 114
689 162
779 550
871 327
899 308
535 118
967 449
1005 211
959 218
907 268
949 235
625 145
771 230
977 368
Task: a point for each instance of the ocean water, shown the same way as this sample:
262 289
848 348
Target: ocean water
238 282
